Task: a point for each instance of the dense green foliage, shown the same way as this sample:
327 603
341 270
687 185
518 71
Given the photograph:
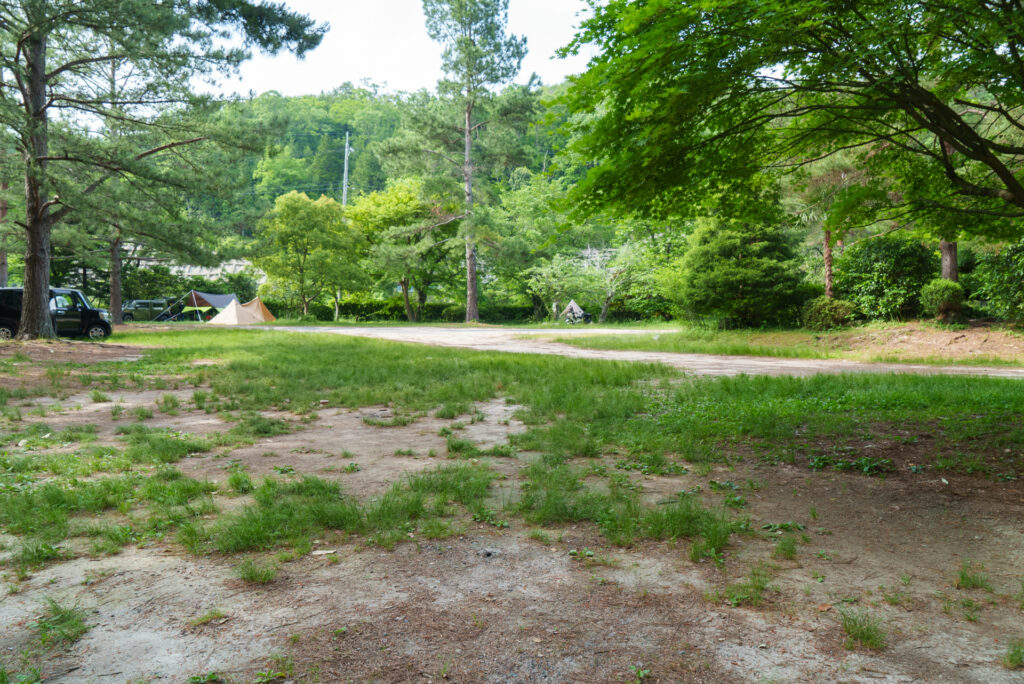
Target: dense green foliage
601 190
306 248
694 95
999 283
825 313
884 275
99 108
739 271
942 298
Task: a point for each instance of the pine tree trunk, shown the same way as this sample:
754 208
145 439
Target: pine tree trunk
472 294
116 308
828 264
950 270
35 310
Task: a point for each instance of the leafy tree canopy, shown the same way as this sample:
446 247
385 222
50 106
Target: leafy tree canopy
689 96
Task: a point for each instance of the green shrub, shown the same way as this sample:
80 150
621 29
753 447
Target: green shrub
883 276
942 298
743 272
998 283
825 313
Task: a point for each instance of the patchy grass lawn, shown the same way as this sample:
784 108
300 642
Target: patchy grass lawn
284 464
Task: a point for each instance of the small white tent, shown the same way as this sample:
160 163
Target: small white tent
234 314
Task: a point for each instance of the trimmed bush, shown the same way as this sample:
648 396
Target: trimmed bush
942 298
883 275
825 313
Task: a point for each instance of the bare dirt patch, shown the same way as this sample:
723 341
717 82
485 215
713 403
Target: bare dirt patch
67 351
496 605
920 340
328 447
27 363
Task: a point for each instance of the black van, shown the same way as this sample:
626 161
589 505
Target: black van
71 312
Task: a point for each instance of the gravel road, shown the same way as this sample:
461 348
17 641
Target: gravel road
538 341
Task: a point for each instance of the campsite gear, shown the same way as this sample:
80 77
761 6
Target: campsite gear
257 308
243 314
573 313
202 306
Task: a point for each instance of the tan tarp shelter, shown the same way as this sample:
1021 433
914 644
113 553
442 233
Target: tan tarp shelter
258 309
243 314
234 314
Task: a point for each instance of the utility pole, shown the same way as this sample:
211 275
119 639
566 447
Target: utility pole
344 182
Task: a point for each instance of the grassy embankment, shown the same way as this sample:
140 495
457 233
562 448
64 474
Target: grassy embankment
863 343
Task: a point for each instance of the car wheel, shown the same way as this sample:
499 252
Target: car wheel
127 318
7 332
96 331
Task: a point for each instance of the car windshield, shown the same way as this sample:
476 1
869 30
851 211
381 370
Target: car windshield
82 300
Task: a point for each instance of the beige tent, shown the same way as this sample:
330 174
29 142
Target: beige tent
234 314
258 309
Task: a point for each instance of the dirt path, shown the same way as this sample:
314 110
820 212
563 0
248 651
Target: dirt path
533 341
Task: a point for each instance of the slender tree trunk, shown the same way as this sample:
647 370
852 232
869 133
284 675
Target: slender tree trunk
828 264
404 282
337 304
35 310
116 308
305 307
950 270
604 307
539 311
421 301
472 294
4 274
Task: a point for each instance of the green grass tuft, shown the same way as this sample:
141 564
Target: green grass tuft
146 445
862 628
969 578
750 592
61 625
785 548
1014 656
256 572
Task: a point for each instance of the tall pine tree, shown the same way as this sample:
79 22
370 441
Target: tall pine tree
478 54
52 55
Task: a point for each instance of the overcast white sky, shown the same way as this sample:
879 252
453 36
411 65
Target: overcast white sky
386 42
